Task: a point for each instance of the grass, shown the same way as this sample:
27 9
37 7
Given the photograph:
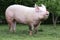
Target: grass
45 32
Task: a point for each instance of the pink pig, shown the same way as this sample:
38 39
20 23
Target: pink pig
31 16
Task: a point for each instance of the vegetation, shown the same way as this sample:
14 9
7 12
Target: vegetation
45 32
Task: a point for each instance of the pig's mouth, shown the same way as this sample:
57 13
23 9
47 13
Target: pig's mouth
46 16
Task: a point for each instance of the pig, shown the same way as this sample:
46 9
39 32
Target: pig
32 16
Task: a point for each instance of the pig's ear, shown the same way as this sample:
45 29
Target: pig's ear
43 6
36 8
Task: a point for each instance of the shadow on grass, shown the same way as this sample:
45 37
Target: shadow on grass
18 32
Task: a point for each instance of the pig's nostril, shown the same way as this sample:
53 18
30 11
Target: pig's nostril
47 14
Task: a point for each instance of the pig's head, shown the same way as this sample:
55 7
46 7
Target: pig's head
41 11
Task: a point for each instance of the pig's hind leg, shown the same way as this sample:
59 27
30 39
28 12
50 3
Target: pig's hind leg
11 21
14 26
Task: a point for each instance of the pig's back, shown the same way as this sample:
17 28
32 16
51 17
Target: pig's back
19 8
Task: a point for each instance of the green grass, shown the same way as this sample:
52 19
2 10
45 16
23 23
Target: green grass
45 32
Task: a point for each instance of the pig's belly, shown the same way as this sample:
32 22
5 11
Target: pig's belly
21 19
26 19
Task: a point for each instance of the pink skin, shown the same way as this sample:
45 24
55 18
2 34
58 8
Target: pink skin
26 15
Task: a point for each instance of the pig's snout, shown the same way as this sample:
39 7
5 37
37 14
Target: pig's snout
47 13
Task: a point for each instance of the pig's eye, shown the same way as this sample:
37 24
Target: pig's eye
41 11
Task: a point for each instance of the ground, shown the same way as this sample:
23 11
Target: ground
45 32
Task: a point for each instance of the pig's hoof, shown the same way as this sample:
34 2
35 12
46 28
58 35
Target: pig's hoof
30 33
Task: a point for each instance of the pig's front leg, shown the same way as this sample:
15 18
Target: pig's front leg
31 27
36 28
